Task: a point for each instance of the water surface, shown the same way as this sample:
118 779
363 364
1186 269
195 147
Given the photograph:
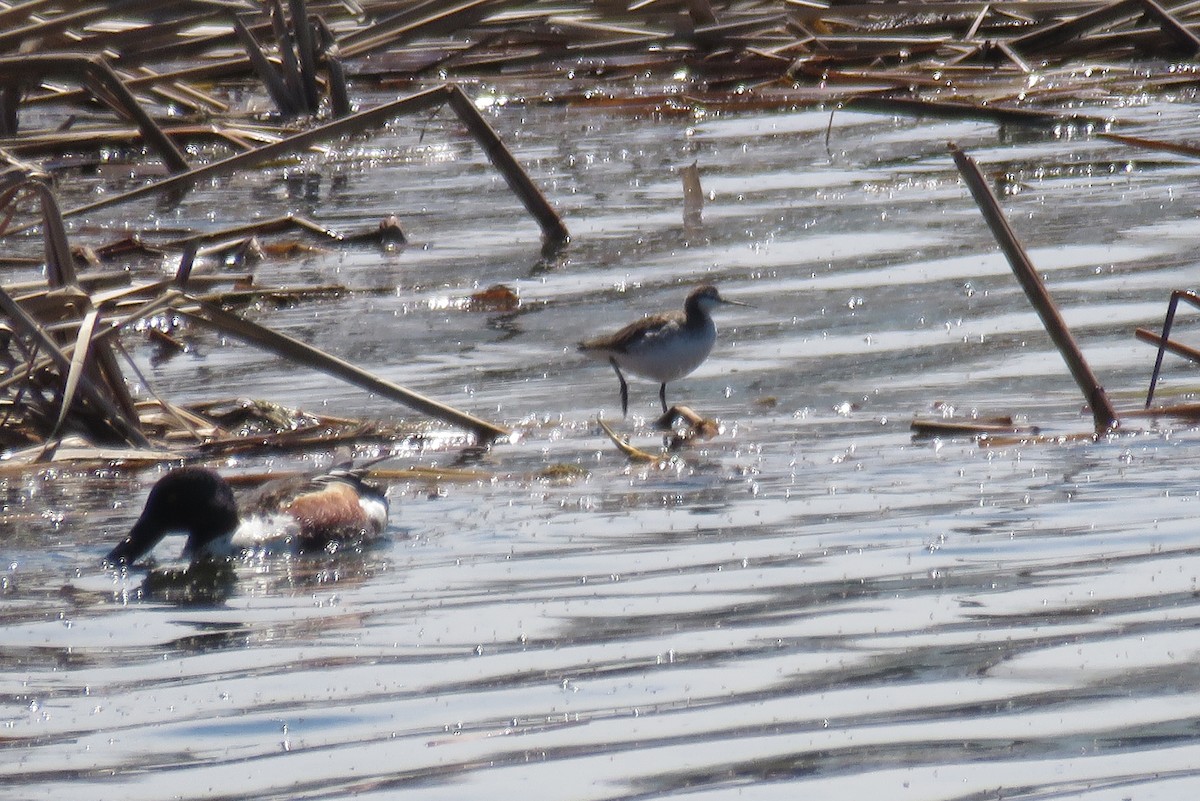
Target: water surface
813 602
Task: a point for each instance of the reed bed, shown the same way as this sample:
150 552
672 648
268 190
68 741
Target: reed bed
155 77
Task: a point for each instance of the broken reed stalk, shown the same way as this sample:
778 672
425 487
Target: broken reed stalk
80 365
407 25
901 44
293 87
1103 414
632 453
518 180
37 363
60 264
1164 341
335 73
306 53
60 273
105 85
1153 144
285 46
1047 36
67 299
552 225
146 309
1172 27
227 323
110 415
272 82
302 353
957 110
285 222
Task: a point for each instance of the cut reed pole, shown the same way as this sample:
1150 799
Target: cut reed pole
503 159
302 353
520 182
1103 413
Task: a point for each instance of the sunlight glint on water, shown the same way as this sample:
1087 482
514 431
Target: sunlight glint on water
813 602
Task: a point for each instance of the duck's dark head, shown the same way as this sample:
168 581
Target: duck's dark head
195 500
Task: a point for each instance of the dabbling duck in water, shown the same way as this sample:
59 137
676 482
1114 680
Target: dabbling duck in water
304 513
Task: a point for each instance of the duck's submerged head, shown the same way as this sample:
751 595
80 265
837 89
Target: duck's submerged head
194 500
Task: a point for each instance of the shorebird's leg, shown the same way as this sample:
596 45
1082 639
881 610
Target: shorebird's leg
624 388
662 395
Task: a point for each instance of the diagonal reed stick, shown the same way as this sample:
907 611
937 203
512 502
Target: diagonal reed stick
1103 413
553 228
302 353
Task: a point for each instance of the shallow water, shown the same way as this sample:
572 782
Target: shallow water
813 602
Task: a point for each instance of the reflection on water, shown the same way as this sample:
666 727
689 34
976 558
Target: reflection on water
814 601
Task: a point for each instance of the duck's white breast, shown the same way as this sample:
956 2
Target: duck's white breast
376 510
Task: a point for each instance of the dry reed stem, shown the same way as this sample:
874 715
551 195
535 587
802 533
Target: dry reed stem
1105 416
552 225
307 355
631 452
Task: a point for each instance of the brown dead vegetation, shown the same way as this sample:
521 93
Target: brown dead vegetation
153 76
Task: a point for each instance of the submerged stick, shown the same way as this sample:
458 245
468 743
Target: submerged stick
1103 413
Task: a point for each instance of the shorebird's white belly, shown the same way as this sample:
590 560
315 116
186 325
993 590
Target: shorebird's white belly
669 353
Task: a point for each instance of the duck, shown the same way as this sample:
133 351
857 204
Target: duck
662 347
301 513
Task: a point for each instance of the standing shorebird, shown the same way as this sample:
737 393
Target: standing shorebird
662 347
